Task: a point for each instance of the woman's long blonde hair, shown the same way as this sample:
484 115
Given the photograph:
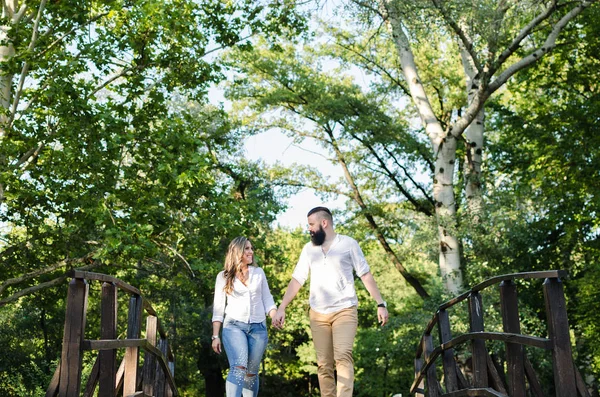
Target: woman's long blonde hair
233 261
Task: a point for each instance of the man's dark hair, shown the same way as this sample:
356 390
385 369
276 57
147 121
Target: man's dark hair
319 209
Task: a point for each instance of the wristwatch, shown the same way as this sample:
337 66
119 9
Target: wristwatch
382 304
215 337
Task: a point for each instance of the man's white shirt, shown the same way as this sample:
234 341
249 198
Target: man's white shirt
331 274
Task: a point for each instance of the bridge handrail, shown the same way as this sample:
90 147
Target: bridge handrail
483 285
158 364
74 273
485 374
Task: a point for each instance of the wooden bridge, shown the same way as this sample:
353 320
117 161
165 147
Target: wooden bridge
519 379
153 378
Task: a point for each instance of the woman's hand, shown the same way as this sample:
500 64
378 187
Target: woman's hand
216 345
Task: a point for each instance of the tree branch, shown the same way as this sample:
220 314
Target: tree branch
466 42
25 69
39 272
536 55
176 253
512 47
44 285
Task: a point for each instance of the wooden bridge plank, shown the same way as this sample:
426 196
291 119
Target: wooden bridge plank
431 375
449 364
494 376
108 330
419 391
52 390
500 336
479 392
581 387
72 354
149 370
534 383
132 353
478 349
558 333
92 382
514 352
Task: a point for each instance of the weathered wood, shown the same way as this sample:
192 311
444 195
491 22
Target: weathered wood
534 383
581 387
419 391
132 353
482 336
479 392
149 371
494 377
161 376
498 279
478 349
558 331
104 278
52 390
448 361
119 378
92 382
110 344
72 354
514 352
526 340
108 330
432 381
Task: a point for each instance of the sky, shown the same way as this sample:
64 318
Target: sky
272 147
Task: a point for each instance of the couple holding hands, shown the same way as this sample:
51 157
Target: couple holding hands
242 300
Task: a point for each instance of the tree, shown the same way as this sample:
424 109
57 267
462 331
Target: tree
112 160
355 127
496 42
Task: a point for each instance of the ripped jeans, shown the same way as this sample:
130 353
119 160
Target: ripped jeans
244 344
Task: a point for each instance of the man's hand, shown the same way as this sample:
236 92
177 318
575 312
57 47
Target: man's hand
279 318
382 315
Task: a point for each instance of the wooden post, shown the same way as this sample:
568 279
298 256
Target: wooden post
514 352
478 349
450 379
160 379
172 369
149 359
108 330
72 352
432 382
421 386
558 333
132 353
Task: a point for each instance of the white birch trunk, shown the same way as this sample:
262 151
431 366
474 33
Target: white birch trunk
7 51
474 142
444 149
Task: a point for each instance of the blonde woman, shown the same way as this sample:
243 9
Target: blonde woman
242 300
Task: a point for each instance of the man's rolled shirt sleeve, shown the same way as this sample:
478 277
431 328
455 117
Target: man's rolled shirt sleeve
302 268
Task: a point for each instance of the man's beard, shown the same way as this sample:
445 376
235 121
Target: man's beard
318 237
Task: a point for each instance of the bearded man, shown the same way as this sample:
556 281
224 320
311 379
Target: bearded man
330 259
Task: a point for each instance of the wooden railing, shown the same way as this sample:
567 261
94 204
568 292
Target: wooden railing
154 378
486 378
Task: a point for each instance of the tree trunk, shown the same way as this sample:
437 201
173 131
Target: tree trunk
444 149
474 145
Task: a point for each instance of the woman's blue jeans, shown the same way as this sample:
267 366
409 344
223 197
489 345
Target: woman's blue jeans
244 344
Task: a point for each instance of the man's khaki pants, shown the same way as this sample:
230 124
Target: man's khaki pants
333 336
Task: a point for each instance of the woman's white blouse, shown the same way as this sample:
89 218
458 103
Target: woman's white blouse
247 303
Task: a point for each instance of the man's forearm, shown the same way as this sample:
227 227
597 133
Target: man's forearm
291 291
371 286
